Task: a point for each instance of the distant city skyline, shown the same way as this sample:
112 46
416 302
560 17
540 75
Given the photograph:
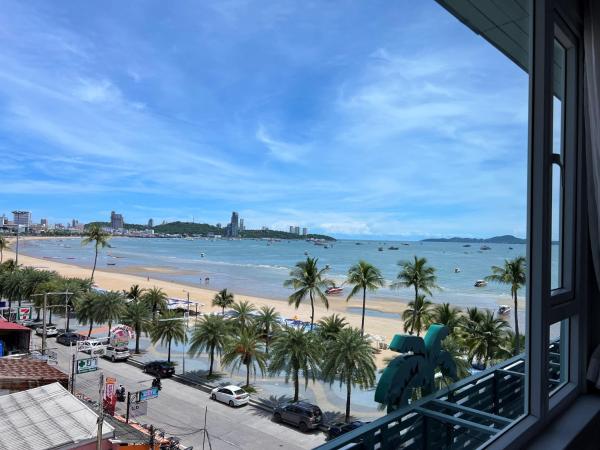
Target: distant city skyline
353 119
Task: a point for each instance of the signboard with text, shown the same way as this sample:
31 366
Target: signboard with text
147 394
24 313
137 409
110 395
87 365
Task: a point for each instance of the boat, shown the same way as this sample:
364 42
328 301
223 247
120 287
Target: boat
467 245
201 255
393 248
305 253
503 309
334 290
485 247
510 248
480 283
111 264
457 270
380 249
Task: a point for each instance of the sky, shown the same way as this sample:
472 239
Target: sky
353 118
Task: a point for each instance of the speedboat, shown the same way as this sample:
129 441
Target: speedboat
485 247
380 249
393 248
480 283
334 290
457 270
503 309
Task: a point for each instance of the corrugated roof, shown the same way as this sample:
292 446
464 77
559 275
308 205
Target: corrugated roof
6 325
29 369
46 417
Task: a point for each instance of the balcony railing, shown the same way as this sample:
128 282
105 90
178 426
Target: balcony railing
463 415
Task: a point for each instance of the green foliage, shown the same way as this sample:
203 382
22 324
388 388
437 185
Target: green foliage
513 274
139 317
109 307
416 274
223 299
3 246
296 352
349 359
187 228
210 335
417 315
283 235
364 277
446 314
244 349
484 335
330 326
168 329
267 322
156 299
134 292
308 281
99 237
242 315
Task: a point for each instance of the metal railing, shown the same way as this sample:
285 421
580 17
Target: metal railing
463 415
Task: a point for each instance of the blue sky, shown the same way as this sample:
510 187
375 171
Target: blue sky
352 118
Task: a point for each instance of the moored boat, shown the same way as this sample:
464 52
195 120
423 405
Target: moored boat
334 290
480 283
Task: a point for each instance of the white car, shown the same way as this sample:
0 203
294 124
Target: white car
50 331
232 395
116 353
95 347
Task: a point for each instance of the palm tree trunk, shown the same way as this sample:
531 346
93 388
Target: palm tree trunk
223 311
517 340
90 330
212 358
348 394
247 375
296 385
362 323
169 357
50 316
109 327
312 312
412 323
95 260
68 321
1 255
137 341
267 342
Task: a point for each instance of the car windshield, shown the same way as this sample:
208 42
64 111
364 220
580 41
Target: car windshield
121 349
238 391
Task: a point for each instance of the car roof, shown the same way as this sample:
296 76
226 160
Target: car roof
231 387
304 405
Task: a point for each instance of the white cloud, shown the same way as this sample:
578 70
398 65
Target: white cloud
280 150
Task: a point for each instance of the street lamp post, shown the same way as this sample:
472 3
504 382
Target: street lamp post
17 249
45 295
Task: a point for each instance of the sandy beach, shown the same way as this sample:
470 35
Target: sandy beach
382 326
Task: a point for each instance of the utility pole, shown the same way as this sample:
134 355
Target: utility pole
17 250
151 437
128 403
44 324
100 412
73 364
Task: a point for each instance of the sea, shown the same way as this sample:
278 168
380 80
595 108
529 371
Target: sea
259 267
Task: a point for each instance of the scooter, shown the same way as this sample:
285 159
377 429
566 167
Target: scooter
156 383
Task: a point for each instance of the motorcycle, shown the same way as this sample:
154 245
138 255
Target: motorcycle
157 384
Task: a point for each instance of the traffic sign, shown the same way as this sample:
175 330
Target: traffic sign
86 365
24 313
138 409
147 394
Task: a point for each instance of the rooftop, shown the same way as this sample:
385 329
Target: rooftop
46 417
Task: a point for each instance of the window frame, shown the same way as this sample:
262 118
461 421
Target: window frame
552 19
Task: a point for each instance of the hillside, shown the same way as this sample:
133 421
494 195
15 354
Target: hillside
505 239
272 234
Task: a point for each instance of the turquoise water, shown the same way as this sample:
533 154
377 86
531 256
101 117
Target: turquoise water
259 268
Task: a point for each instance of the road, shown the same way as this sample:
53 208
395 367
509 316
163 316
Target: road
180 410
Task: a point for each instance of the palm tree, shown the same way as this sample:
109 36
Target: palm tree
349 358
416 315
330 326
309 281
485 337
223 299
109 307
156 299
416 274
209 335
267 321
512 274
167 330
100 239
295 350
244 349
138 316
85 309
446 315
365 277
453 346
134 293
3 246
242 314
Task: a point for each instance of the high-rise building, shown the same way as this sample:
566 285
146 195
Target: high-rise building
74 223
264 228
22 218
291 228
242 225
219 225
304 231
297 230
233 229
3 220
44 223
116 221
151 223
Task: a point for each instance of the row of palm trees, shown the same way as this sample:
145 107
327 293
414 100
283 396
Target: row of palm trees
310 282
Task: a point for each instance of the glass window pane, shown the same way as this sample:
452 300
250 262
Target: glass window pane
558 355
557 168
